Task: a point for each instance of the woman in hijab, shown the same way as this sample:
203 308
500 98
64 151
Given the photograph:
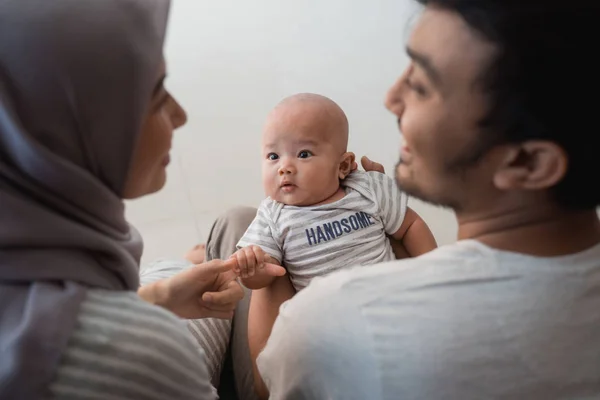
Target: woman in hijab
85 122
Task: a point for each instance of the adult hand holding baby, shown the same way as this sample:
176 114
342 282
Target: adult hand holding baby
208 290
368 165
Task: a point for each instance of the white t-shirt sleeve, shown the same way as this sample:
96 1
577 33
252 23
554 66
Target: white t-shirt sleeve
392 202
313 349
263 232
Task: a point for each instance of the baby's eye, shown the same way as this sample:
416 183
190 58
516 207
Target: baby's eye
304 154
272 156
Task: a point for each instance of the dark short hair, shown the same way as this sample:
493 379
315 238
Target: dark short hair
544 82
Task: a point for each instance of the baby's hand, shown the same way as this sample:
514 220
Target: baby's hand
252 260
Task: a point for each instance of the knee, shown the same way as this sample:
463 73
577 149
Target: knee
227 230
238 218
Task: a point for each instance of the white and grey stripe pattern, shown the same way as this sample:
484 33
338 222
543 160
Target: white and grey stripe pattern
125 348
210 334
317 240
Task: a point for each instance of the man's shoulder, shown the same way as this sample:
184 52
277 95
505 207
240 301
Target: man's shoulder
337 310
357 314
465 301
443 281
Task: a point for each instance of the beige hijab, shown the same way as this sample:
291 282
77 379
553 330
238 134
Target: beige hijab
76 78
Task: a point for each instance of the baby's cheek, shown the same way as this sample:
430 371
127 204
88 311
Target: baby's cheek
268 183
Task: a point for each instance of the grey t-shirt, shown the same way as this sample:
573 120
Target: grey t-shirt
462 322
314 241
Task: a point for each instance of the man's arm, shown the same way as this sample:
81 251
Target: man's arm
414 235
264 308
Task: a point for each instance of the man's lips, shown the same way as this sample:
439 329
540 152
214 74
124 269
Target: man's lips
405 154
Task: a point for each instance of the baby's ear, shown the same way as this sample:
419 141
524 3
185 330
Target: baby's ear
346 165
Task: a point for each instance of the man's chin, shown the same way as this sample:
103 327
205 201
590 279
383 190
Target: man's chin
409 187
403 179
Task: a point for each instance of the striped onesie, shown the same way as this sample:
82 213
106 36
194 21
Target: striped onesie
313 241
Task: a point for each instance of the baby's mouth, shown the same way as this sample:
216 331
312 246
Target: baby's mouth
287 186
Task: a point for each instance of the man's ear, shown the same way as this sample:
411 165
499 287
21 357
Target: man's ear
346 163
531 165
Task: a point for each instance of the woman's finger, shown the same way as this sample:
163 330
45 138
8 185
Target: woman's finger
232 294
219 307
217 266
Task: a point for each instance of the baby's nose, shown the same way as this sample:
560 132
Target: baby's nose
286 170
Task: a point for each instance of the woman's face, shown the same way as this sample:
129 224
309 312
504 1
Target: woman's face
147 173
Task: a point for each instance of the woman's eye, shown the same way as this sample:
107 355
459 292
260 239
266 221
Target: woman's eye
304 154
272 156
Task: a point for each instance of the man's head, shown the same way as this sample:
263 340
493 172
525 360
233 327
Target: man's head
497 106
304 150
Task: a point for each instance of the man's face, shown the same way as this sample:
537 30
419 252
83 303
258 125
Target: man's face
439 104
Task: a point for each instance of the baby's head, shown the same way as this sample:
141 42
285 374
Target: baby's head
304 150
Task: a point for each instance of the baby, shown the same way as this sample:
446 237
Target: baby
320 215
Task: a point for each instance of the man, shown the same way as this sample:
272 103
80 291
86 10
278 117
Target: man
496 125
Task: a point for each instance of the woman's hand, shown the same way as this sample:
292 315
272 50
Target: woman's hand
208 290
369 165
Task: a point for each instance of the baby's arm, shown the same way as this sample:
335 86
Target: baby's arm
256 268
415 235
264 308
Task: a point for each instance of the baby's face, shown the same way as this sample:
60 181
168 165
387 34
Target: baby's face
301 159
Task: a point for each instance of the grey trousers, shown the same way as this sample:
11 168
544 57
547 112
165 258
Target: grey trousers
237 381
224 342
